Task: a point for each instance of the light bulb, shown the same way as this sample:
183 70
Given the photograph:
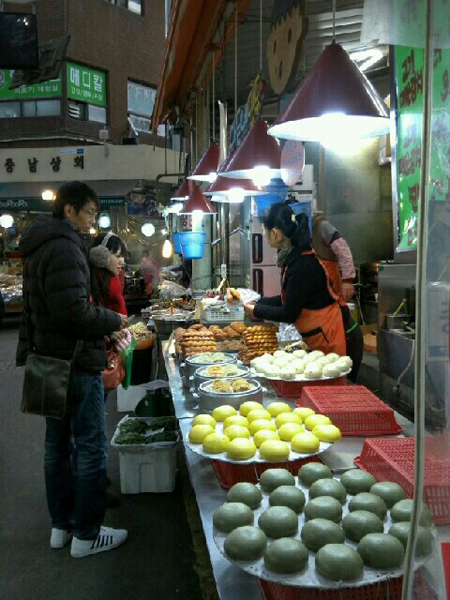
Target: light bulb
6 221
212 177
92 231
104 221
167 250
148 229
48 195
261 176
236 195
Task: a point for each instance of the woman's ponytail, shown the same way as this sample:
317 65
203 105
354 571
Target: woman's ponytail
295 227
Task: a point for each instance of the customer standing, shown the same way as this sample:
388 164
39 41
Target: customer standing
56 285
107 258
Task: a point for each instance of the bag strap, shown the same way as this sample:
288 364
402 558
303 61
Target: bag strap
78 345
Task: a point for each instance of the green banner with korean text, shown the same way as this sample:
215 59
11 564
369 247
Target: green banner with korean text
409 89
86 85
45 89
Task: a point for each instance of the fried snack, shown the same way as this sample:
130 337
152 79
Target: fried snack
239 326
230 332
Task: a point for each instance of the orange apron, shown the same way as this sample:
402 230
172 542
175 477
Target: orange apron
323 328
332 269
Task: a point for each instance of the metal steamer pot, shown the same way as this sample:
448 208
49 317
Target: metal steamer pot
190 366
200 377
209 400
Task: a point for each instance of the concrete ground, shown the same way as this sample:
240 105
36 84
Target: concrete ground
165 557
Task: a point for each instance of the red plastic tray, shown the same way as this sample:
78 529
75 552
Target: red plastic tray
392 459
352 408
390 589
294 389
229 473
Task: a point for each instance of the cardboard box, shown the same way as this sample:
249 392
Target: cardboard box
370 334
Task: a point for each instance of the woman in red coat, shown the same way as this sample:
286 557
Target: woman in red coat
107 259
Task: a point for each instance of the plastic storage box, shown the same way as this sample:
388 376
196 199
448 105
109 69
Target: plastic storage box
213 316
145 468
352 408
390 589
294 389
392 459
230 473
128 399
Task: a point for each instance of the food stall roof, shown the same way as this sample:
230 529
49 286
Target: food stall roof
193 31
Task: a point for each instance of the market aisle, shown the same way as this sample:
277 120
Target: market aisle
156 563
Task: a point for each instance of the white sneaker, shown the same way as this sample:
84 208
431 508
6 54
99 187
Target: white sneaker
60 538
107 539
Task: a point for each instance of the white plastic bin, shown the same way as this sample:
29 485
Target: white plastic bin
151 470
128 399
146 468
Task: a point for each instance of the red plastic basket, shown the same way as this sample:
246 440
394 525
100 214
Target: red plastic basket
392 459
388 589
230 473
352 408
294 389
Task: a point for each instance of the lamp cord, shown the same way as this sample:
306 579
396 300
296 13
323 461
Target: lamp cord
260 36
213 97
334 20
235 59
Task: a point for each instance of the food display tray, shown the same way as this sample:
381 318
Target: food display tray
392 459
230 471
352 408
308 578
293 388
390 588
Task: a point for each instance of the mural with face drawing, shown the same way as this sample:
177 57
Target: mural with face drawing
285 41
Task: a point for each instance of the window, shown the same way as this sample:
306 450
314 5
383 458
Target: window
87 112
141 100
9 110
41 108
134 6
30 108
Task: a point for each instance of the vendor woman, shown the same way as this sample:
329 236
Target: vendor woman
307 298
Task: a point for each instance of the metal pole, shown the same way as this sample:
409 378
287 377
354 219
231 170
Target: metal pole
421 309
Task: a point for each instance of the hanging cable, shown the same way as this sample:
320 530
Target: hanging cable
214 96
260 36
235 58
334 20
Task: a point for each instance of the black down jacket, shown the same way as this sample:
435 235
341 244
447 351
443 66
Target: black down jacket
56 287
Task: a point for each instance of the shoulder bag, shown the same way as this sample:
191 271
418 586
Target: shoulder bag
47 385
114 373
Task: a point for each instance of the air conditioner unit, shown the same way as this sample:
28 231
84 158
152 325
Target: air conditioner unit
74 111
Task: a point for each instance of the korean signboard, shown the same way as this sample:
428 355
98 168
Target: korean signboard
45 89
26 204
86 85
409 86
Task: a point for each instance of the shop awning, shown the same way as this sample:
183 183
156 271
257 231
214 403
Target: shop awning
195 27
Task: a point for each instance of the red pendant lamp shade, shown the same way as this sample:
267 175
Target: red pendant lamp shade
333 85
197 201
222 186
256 150
183 191
208 165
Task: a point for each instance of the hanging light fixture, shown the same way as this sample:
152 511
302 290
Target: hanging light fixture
197 201
148 229
226 189
183 191
167 249
334 100
48 195
207 166
257 158
104 221
6 221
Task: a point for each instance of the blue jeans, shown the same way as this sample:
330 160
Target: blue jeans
77 501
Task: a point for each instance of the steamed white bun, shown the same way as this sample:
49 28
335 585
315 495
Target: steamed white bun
298 365
312 371
331 370
299 353
332 356
287 373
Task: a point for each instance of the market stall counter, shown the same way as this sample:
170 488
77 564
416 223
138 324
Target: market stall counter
232 582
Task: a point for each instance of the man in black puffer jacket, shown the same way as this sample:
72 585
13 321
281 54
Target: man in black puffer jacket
56 290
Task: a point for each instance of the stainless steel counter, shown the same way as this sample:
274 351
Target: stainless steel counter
233 583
